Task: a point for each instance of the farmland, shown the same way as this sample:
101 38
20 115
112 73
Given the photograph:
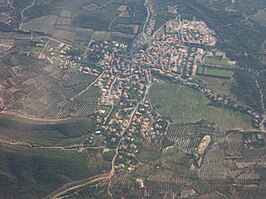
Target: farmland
76 22
77 111
47 95
219 85
42 24
260 17
185 105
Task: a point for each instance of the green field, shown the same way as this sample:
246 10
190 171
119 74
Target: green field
43 24
215 61
200 70
218 72
214 71
185 105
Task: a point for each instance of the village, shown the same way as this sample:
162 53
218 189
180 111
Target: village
125 115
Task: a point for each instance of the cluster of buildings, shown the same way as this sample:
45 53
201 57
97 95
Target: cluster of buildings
168 55
57 54
125 82
192 32
125 117
124 86
7 17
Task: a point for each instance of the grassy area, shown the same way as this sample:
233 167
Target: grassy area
100 36
34 173
200 70
209 71
219 85
217 61
214 71
185 105
56 62
42 24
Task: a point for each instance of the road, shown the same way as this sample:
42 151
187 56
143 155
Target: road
111 174
23 18
76 185
148 16
110 91
43 120
45 46
105 119
262 98
122 139
72 99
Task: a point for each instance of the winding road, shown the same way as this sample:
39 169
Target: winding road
76 185
24 18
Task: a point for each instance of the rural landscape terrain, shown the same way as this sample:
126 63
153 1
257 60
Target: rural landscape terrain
133 99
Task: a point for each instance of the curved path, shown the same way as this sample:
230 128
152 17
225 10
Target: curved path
76 185
24 18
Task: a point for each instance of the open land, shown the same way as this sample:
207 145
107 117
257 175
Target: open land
114 96
183 105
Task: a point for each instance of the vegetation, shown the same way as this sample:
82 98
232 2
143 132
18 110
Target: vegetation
96 19
43 24
34 173
216 61
108 156
185 105
246 89
214 71
60 133
219 85
239 36
218 72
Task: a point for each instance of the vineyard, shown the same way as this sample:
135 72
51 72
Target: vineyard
187 137
47 91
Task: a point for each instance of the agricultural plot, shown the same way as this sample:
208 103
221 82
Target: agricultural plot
187 137
100 36
215 167
185 105
35 93
150 151
260 17
83 34
70 21
233 145
63 34
43 24
219 85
